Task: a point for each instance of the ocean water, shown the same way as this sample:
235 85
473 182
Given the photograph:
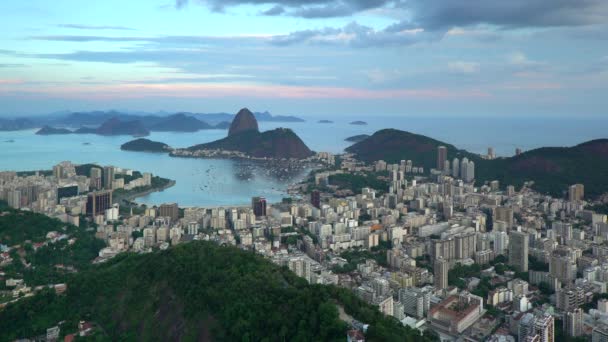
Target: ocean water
210 182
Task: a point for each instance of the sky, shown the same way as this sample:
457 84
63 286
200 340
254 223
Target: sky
486 58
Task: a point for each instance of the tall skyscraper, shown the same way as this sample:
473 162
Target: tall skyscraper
501 240
504 214
169 210
108 177
442 156
469 175
315 198
537 328
98 202
576 192
456 168
491 154
441 273
573 323
258 204
96 178
58 171
544 327
562 266
518 250
465 245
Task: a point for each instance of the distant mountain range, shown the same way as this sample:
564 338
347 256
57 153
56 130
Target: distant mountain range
113 126
552 169
16 124
243 136
179 122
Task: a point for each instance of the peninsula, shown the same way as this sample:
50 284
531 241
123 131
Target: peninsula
244 140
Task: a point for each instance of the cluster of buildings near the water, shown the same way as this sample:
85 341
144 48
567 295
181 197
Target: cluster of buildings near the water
65 195
475 263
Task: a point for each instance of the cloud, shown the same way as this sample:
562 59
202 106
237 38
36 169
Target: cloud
180 3
461 67
520 62
12 65
237 90
10 82
440 14
94 27
435 14
357 35
275 10
299 8
353 34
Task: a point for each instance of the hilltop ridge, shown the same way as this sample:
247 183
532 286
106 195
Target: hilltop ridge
552 169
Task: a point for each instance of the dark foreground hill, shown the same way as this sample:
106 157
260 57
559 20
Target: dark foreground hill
552 169
198 291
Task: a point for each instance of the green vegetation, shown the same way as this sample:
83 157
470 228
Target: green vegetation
457 274
51 263
356 182
537 265
85 169
200 291
599 208
17 226
355 257
392 146
595 299
145 145
545 288
560 335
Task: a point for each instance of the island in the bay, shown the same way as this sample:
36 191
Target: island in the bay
358 123
325 121
357 138
145 145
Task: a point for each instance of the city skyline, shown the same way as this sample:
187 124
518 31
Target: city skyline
329 57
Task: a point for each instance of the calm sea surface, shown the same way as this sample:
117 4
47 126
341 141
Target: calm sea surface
205 182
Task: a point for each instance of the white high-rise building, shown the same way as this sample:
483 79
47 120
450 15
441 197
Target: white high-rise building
469 176
456 168
501 242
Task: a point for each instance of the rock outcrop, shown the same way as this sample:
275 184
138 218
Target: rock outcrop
244 121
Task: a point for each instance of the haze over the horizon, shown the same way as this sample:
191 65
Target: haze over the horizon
391 57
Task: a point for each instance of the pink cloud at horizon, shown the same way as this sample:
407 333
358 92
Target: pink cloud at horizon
221 90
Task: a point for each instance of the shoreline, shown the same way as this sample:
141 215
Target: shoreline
133 197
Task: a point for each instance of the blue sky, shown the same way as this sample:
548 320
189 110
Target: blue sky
359 57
